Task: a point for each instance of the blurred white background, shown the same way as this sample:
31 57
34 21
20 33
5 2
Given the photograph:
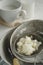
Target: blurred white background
34 9
38 10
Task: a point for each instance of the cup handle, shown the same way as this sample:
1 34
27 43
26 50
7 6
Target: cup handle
22 15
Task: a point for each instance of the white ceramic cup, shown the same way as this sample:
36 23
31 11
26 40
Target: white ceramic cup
11 9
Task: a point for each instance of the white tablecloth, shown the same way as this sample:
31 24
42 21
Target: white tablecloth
3 29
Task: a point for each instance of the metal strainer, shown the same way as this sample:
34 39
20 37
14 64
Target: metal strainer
28 28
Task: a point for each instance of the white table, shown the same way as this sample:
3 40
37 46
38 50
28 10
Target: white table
3 29
38 9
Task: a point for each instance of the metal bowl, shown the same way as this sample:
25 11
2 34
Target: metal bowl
27 28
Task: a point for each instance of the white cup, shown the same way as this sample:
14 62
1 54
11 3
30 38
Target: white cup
11 9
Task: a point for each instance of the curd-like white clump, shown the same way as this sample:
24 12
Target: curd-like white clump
27 46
